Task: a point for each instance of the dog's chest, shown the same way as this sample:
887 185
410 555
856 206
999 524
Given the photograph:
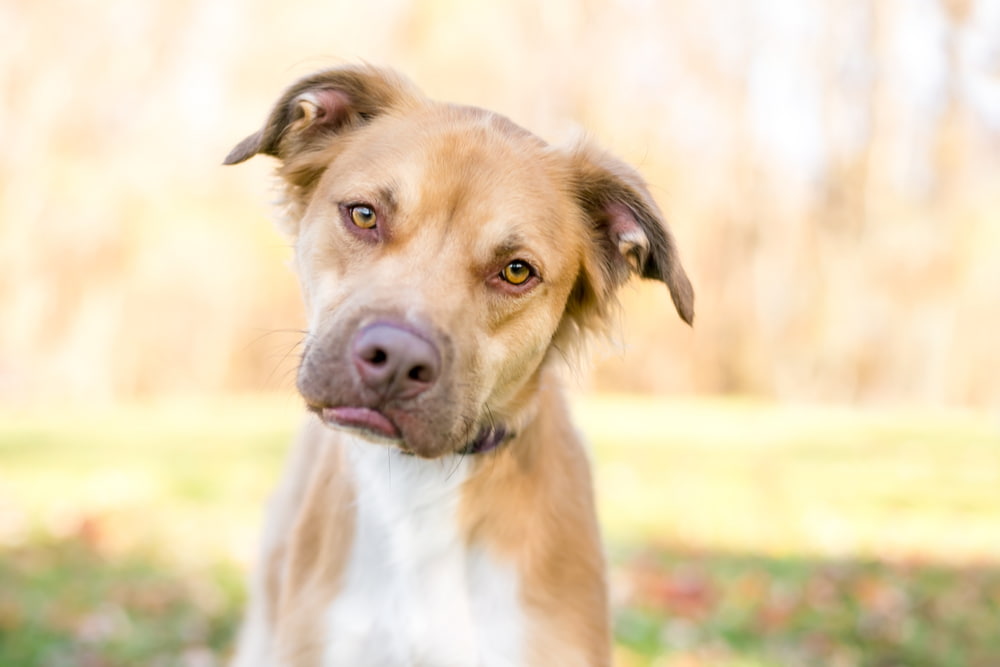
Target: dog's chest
413 592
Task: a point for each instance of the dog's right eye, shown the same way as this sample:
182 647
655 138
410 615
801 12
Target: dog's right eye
517 272
363 216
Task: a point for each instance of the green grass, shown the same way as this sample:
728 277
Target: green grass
741 534
65 602
825 482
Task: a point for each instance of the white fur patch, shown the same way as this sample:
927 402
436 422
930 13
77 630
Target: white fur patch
414 593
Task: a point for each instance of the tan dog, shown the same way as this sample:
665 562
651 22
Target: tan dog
438 507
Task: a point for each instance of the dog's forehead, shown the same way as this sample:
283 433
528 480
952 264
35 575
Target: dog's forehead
448 157
461 170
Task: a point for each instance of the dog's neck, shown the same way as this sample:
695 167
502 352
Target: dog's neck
410 558
398 483
399 488
540 387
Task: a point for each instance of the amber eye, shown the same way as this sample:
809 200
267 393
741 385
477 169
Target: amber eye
517 272
363 216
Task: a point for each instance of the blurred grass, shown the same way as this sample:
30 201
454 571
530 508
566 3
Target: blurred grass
64 601
742 533
824 481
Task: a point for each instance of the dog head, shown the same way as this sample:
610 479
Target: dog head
444 253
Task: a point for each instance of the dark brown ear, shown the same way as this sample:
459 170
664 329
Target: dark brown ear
630 231
324 104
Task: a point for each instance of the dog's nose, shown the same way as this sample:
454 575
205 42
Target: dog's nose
395 362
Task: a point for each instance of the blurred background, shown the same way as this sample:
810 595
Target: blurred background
810 475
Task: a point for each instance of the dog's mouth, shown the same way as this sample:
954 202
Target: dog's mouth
361 419
378 426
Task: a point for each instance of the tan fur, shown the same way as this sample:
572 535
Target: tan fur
459 193
313 557
534 503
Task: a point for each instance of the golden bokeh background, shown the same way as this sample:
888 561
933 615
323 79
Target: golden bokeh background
831 171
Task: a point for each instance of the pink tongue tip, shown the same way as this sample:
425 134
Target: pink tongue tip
365 418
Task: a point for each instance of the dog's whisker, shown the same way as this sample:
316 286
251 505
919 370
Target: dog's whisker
281 362
562 353
258 339
458 463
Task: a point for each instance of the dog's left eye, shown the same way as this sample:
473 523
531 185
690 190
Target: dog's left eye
363 216
517 272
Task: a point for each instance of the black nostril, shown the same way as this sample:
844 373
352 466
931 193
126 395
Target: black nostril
377 356
420 374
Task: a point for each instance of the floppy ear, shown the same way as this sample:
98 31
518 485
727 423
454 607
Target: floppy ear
322 105
630 233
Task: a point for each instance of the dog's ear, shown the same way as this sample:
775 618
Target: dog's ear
629 231
323 105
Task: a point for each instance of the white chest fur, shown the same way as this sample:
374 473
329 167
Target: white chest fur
414 594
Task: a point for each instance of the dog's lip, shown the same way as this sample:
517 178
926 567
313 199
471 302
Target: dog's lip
365 419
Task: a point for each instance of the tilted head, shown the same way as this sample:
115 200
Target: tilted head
443 251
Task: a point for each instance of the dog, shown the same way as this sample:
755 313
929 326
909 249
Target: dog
437 509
